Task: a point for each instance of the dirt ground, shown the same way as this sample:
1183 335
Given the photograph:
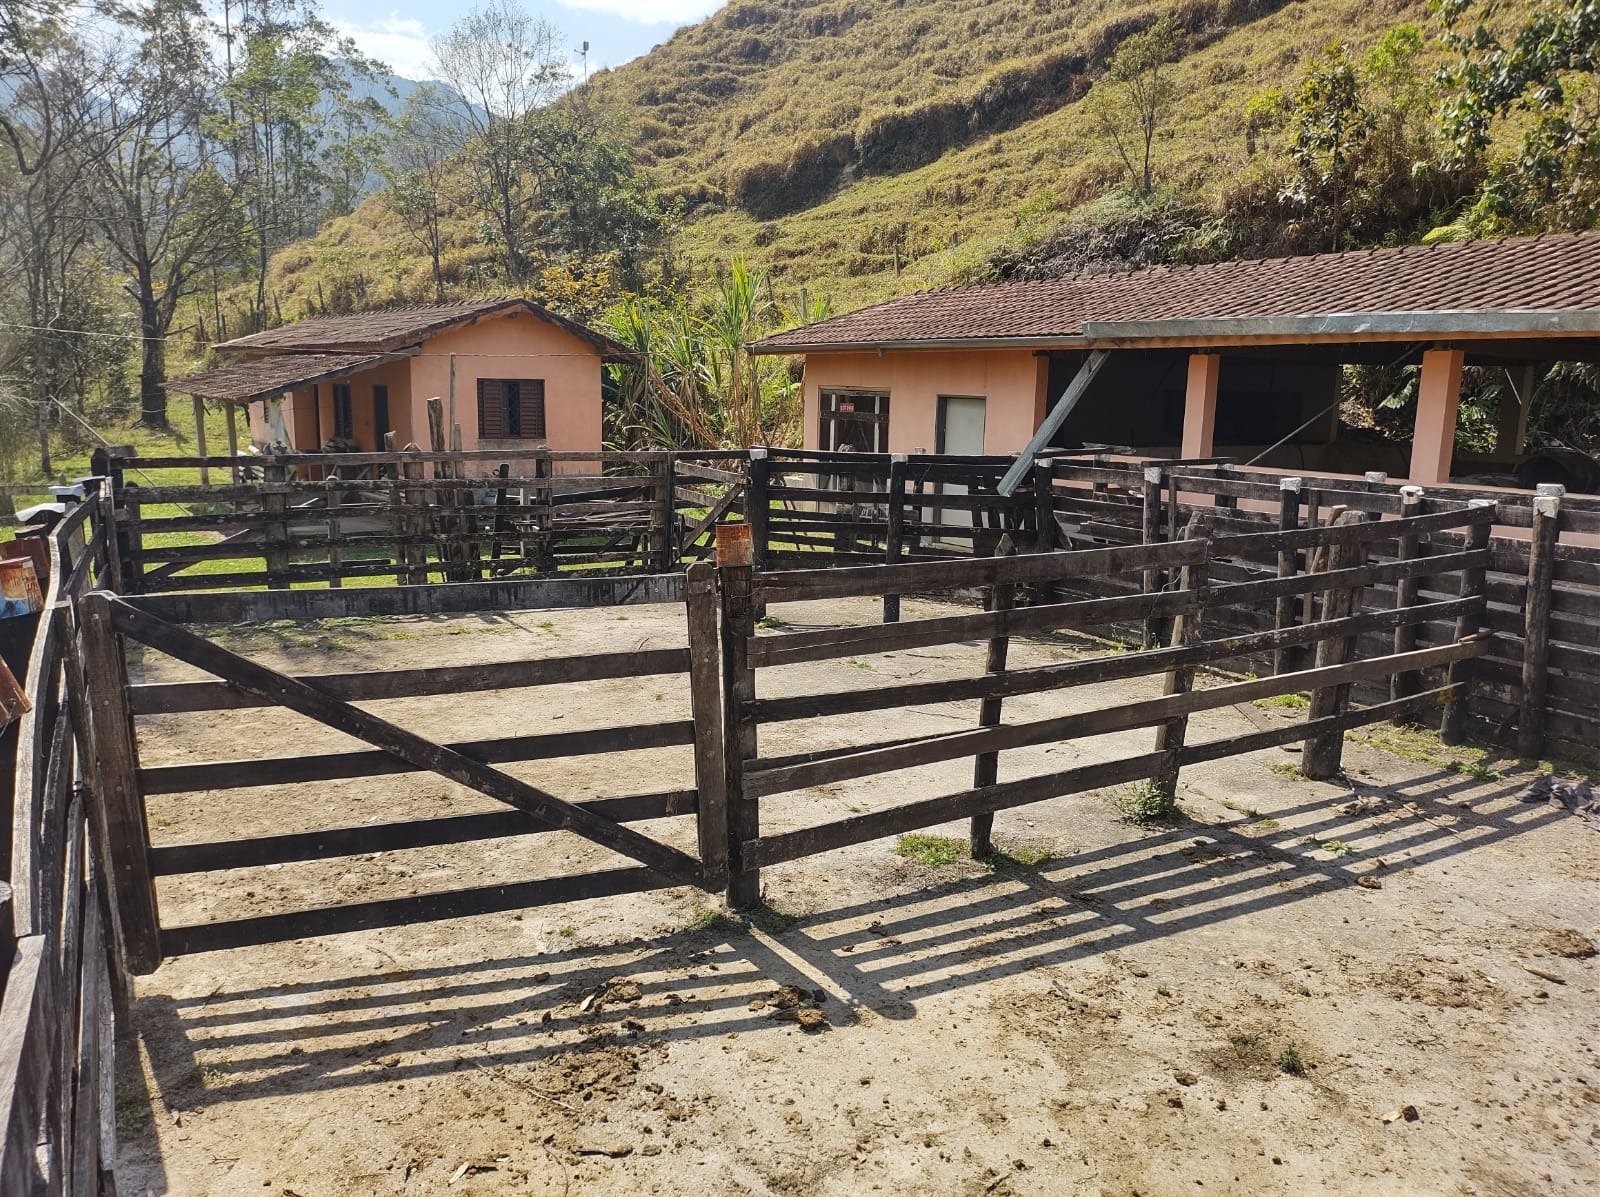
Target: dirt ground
1381 986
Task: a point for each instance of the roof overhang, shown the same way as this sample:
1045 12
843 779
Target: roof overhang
1505 324
1481 324
262 377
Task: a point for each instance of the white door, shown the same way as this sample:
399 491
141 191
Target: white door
960 434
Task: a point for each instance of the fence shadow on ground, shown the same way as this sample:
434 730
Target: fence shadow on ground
390 1023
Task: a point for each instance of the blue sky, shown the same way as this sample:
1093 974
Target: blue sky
397 33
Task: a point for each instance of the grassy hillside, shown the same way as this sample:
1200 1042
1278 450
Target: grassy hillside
870 147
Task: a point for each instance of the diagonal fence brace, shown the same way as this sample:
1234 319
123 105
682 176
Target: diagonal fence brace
416 750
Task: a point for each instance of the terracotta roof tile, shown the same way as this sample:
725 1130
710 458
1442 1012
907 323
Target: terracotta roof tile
256 377
1553 272
394 328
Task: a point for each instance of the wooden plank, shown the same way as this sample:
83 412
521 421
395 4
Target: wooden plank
1407 548
735 584
457 598
1254 593
1187 632
115 783
1079 673
791 648
705 473
793 845
24 1065
705 705
1452 722
1051 424
1323 752
894 530
402 912
1283 610
397 741
171 860
333 766
1536 624
923 577
871 759
986 765
1395 709
168 698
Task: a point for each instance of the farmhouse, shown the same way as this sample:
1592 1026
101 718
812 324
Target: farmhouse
1239 358
512 374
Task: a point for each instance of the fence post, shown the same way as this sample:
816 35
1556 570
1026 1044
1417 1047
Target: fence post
1407 548
114 775
1453 723
544 519
275 501
335 530
1321 756
1187 628
1536 618
735 579
1283 659
895 531
1150 533
705 708
1224 502
1002 596
416 521
757 504
667 542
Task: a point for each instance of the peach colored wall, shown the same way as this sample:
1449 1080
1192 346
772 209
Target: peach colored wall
1011 380
517 346
397 377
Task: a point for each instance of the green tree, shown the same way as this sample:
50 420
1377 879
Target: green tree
1329 122
1539 84
165 211
504 66
1137 95
417 173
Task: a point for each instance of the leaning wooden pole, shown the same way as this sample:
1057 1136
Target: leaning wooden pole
1474 582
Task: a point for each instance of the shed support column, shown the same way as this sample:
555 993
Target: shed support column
1200 405
1439 395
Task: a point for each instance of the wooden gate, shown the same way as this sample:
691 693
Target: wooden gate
159 622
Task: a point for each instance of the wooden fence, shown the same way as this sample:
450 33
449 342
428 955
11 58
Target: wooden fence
1174 584
61 990
413 517
1537 690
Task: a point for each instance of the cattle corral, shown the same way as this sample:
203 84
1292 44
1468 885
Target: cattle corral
1039 1012
423 816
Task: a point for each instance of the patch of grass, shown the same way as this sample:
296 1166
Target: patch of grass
714 922
1249 812
1286 769
1247 1045
1418 744
1145 803
1289 1061
771 920
861 664
1298 702
771 623
566 932
1015 860
933 851
1339 848
547 626
1164 990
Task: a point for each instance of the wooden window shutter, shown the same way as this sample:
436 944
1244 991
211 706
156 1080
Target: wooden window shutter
491 409
531 394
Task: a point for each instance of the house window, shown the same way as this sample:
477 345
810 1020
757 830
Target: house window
344 416
857 420
510 409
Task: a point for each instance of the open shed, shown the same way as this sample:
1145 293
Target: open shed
1236 358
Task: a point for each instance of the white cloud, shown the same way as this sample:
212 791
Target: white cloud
401 43
650 12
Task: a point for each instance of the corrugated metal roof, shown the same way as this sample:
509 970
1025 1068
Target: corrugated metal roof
1548 273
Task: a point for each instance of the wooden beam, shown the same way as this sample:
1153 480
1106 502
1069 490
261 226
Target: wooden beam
1200 404
1438 399
1076 389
